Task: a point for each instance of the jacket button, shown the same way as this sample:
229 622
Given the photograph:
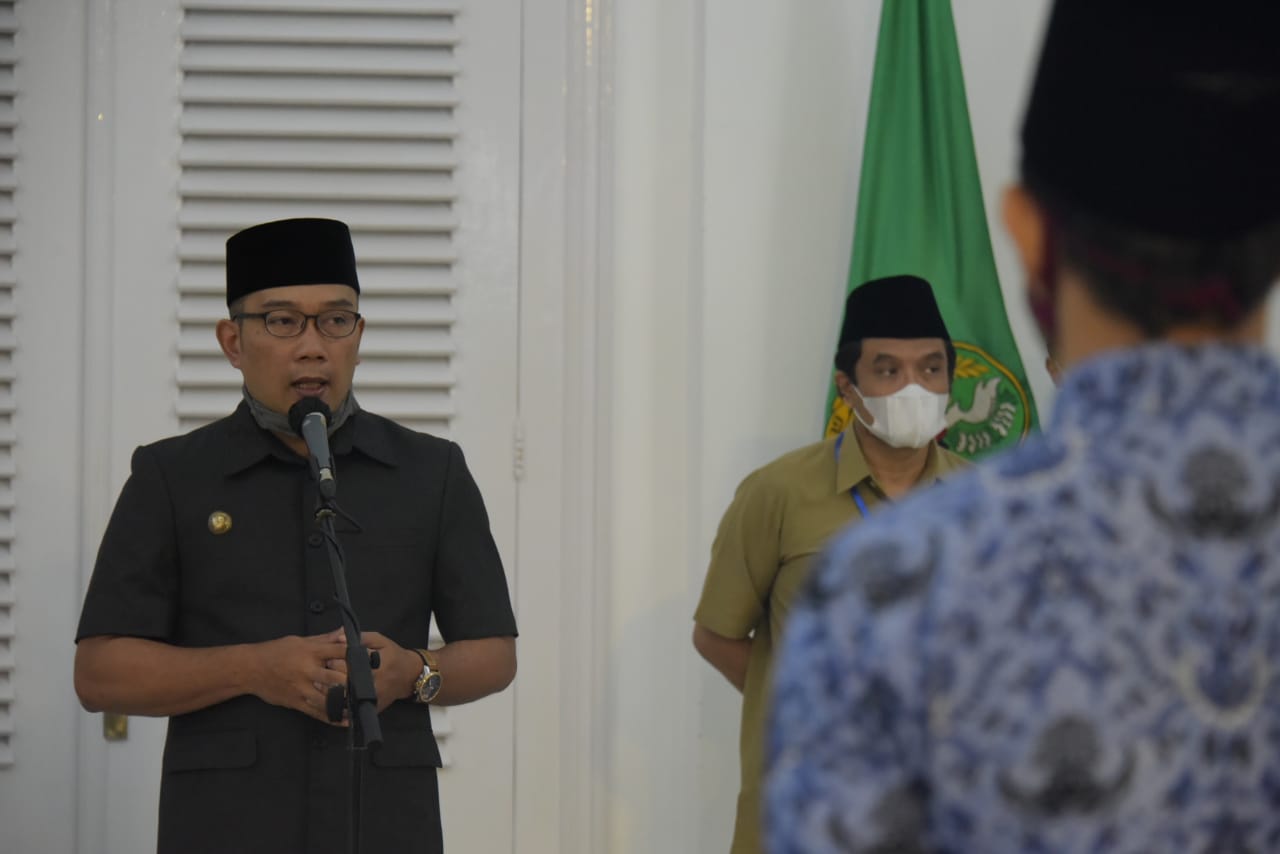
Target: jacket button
316 606
315 541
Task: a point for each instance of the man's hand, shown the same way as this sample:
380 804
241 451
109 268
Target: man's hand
470 669
398 668
292 672
728 655
137 676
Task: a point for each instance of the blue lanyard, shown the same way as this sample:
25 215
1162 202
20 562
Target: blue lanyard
853 490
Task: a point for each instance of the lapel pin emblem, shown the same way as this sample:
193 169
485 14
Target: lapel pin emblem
219 522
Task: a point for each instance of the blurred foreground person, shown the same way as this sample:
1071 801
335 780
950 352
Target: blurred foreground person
1077 646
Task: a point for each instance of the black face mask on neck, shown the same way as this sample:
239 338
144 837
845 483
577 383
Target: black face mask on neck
276 422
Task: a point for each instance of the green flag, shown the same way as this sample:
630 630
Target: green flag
920 211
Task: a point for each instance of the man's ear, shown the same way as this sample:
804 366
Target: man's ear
228 334
844 385
852 398
1026 222
1055 370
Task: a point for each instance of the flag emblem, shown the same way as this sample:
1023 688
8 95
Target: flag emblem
989 408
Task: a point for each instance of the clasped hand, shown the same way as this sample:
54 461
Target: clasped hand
298 672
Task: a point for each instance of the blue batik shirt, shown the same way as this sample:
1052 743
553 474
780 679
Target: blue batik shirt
1074 648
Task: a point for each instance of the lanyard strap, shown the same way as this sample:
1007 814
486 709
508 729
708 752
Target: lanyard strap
853 490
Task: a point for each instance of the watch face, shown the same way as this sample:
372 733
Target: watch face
427 686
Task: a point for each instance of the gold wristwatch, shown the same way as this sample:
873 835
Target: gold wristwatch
428 684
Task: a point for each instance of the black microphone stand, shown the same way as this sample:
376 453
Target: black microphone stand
361 698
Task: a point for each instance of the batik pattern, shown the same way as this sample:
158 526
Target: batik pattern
1075 648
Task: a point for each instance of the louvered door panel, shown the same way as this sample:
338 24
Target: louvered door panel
337 109
8 283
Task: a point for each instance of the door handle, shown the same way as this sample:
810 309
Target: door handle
115 726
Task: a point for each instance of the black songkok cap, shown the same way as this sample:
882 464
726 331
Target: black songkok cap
290 252
892 307
1160 116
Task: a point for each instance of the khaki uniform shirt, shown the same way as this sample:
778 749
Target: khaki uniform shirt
781 517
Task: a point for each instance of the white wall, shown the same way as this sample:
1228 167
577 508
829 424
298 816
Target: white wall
654 468
738 148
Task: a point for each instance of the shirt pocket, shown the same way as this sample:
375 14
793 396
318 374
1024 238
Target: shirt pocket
407 749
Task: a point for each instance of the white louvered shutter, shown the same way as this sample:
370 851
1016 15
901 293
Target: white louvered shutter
8 28
331 108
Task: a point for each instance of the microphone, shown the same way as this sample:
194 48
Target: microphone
309 418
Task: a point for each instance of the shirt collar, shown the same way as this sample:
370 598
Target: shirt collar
248 444
852 468
367 434
851 465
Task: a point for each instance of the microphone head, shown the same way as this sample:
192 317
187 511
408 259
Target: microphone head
305 407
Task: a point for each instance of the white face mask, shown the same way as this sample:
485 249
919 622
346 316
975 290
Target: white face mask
908 418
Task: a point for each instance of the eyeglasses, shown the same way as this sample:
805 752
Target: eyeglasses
290 323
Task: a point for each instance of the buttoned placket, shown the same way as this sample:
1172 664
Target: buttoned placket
328 798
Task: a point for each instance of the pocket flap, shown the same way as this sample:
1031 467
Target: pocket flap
196 751
407 749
